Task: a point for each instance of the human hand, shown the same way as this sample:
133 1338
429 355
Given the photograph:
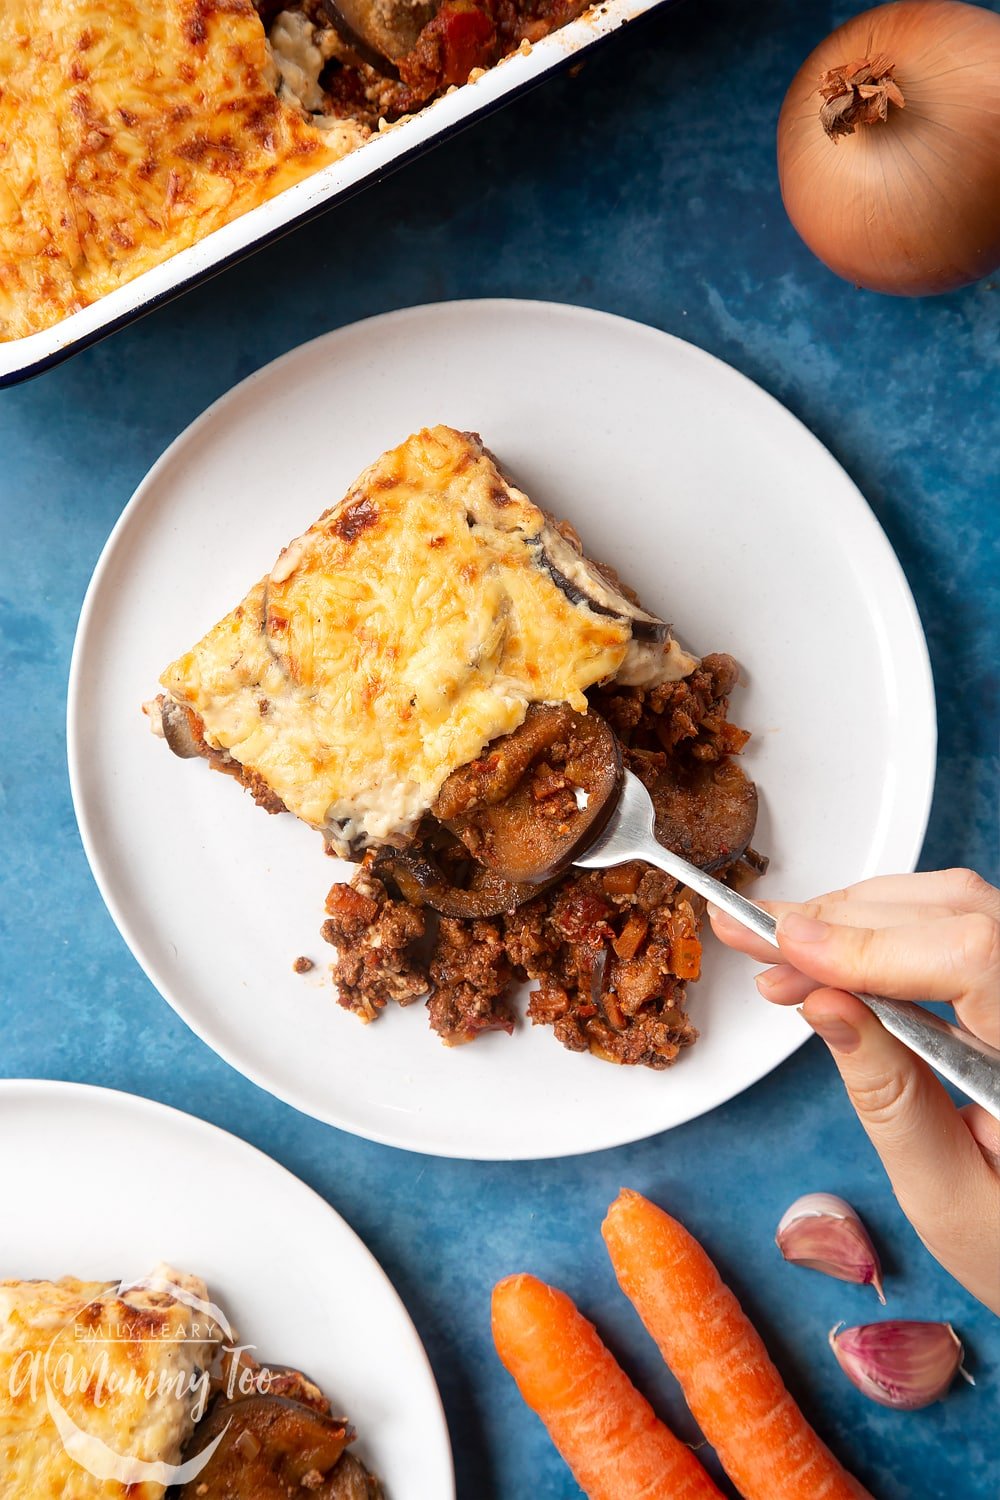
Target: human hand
932 936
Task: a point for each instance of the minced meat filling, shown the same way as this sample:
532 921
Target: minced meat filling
459 37
612 950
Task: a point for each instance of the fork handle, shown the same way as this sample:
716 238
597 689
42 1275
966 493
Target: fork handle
971 1064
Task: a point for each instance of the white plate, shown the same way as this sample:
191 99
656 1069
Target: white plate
715 503
109 1185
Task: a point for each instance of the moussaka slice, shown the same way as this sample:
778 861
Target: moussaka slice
127 1392
101 1385
415 622
438 679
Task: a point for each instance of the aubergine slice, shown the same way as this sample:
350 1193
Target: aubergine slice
272 1448
421 881
584 583
706 812
350 1480
538 796
380 31
502 766
181 728
653 654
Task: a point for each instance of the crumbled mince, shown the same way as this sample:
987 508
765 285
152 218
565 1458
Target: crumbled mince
611 951
435 50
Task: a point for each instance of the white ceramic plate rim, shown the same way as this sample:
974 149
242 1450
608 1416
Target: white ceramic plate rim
917 727
89 1098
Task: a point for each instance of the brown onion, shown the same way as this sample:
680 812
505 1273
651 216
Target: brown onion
889 147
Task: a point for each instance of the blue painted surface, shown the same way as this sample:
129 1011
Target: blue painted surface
645 186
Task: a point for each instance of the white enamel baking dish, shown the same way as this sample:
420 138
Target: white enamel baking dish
22 358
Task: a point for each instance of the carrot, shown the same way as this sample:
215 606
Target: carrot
605 1430
737 1396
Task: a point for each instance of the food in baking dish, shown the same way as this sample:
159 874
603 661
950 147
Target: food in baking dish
380 61
111 1390
128 131
433 663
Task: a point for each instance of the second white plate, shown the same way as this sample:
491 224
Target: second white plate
107 1185
711 499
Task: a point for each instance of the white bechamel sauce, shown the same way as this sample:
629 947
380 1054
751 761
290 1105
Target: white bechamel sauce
289 559
300 51
154 714
646 663
374 815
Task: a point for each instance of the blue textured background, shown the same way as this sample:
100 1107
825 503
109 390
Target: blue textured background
646 186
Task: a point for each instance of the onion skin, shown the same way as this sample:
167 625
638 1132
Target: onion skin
909 205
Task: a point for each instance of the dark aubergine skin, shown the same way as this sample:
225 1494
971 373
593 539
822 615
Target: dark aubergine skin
644 628
421 881
380 34
350 1480
180 729
271 1447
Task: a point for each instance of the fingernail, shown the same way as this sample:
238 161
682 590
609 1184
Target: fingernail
773 981
802 929
835 1032
716 914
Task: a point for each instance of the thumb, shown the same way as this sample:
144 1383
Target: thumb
936 1168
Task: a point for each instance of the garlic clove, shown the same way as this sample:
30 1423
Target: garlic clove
900 1364
823 1232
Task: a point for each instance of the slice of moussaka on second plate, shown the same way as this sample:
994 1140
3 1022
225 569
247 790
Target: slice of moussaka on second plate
113 1391
101 1385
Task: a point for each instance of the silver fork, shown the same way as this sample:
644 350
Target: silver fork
970 1064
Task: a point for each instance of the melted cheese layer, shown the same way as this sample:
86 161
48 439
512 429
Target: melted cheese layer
128 131
407 628
120 1367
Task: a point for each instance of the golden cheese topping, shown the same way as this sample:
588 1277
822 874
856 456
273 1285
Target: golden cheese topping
129 130
121 1375
411 625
